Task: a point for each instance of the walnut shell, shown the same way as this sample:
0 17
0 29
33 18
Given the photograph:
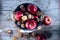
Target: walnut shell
14 38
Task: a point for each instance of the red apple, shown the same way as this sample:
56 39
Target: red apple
41 37
47 20
31 24
18 15
32 8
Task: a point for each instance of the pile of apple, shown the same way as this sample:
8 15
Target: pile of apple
28 16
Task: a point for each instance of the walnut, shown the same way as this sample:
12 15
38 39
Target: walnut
9 31
14 38
24 18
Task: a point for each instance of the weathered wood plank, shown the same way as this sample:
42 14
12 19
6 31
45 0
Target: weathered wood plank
49 7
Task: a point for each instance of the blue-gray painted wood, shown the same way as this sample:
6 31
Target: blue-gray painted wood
49 7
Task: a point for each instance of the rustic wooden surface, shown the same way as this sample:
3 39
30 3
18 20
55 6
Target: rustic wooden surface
49 7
